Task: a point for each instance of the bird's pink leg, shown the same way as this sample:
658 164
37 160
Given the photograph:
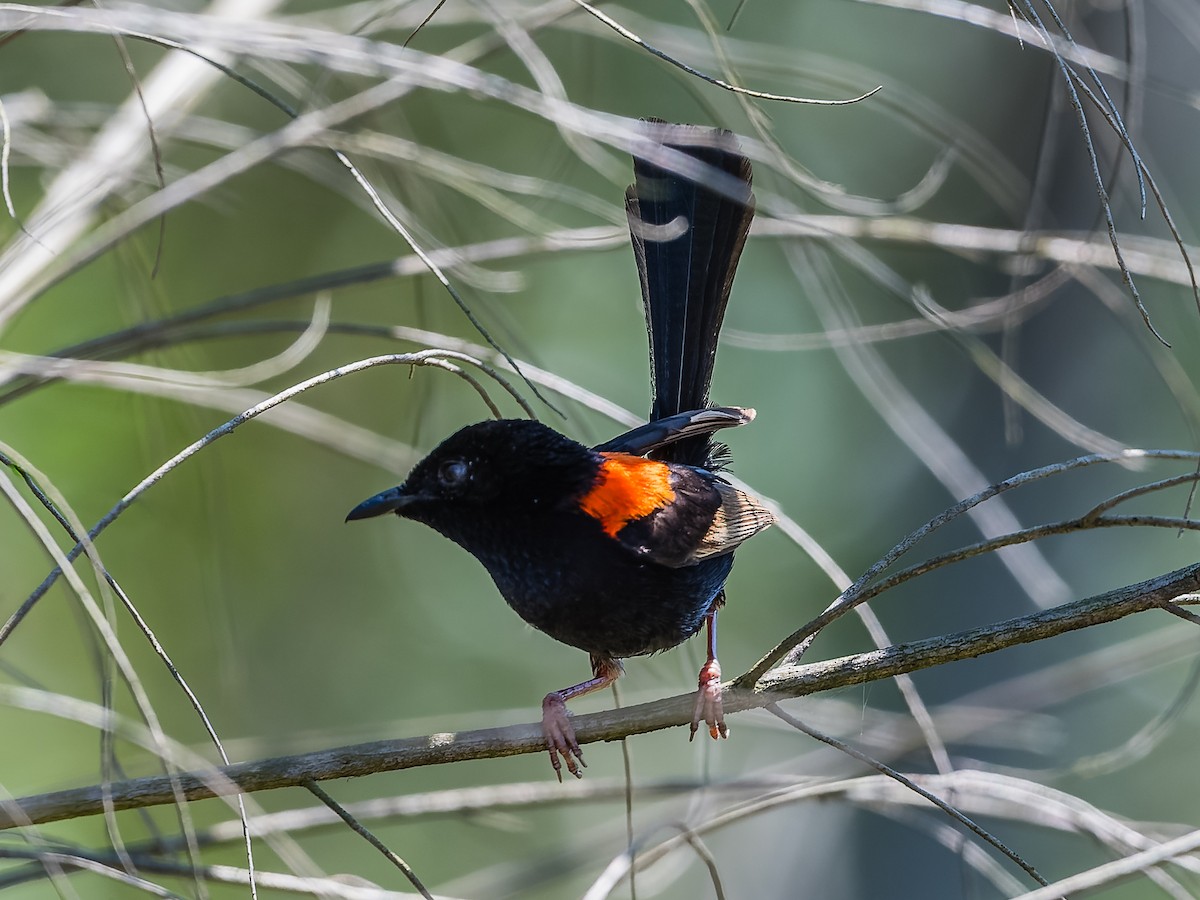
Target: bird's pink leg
556 723
709 708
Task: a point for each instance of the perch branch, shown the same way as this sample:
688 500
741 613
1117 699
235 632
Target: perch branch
780 683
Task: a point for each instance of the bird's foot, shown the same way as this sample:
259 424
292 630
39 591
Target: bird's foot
709 708
560 736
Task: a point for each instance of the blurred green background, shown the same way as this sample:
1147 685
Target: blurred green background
298 632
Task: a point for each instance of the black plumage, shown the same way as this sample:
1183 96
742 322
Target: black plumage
621 549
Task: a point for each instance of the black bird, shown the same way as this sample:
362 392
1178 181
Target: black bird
622 549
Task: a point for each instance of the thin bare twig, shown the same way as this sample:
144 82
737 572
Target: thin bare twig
937 801
358 828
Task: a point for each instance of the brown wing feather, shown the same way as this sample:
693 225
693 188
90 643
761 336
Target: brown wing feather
740 517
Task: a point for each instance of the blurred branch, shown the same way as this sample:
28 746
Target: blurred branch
434 358
1118 869
1143 256
794 645
737 89
780 683
71 203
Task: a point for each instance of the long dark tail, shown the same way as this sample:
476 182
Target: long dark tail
688 231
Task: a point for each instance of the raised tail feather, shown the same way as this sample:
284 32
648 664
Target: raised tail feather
688 232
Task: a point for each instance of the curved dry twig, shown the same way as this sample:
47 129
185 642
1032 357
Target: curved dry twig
625 864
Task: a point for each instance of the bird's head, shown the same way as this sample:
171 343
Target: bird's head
489 471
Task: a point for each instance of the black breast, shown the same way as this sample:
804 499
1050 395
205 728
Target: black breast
576 584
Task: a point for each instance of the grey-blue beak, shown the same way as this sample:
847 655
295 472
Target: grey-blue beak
393 500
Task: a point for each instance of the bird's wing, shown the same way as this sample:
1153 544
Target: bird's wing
671 514
661 432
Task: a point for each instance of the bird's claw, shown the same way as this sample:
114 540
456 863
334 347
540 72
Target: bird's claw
560 737
709 708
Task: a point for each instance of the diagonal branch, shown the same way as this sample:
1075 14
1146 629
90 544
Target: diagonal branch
780 683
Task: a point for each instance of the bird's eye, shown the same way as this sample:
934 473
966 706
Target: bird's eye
454 473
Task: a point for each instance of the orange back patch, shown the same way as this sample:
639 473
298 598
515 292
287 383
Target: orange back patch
629 488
